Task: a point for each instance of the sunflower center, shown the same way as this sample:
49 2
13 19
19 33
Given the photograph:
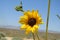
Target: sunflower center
32 22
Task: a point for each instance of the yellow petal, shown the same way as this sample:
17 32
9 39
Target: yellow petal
33 30
35 13
23 19
36 26
28 13
24 26
28 30
39 20
42 22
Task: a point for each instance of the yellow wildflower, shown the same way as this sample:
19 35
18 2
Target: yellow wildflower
30 21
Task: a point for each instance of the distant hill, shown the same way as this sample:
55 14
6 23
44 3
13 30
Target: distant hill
9 26
21 34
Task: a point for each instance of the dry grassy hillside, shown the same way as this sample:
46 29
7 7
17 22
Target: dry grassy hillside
18 33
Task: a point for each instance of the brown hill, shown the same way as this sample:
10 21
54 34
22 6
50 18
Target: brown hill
18 33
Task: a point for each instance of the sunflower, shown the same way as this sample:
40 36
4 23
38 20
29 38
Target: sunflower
30 21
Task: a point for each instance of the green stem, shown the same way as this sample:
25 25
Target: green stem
33 36
47 19
37 36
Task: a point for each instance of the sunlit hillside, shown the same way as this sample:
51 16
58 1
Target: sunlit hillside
20 34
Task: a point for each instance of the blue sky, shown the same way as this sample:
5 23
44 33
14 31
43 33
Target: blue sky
9 16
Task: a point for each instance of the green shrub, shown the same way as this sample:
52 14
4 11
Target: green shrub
16 38
2 35
3 38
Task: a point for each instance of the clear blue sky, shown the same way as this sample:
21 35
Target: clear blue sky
9 16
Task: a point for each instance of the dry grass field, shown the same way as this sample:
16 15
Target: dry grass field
13 33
